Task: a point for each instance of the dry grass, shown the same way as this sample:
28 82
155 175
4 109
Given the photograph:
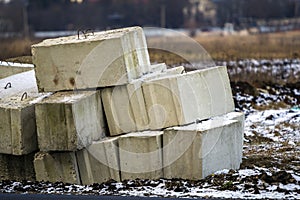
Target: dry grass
260 46
232 47
10 48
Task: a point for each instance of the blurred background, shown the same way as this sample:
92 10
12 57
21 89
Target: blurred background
228 29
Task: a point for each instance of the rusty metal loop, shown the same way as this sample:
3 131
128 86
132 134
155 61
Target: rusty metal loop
84 32
78 33
24 95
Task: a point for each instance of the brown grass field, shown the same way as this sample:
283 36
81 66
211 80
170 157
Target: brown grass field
259 46
231 47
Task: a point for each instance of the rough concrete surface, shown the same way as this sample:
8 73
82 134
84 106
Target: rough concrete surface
56 166
67 121
141 155
125 107
18 124
181 99
17 167
99 162
101 59
197 150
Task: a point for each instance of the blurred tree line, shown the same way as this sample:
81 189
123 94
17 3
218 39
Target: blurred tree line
240 12
103 14
46 15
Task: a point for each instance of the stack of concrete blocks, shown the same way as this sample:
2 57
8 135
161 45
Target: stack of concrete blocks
110 114
18 138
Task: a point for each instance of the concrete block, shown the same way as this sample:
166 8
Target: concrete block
198 150
54 167
17 168
17 125
99 162
141 155
167 99
102 59
8 68
125 107
239 137
18 84
67 121
181 99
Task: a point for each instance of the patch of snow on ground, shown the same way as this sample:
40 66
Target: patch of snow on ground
277 125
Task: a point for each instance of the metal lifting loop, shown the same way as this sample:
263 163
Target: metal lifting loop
84 32
24 95
8 85
78 33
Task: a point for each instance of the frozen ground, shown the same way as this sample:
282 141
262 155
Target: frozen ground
271 155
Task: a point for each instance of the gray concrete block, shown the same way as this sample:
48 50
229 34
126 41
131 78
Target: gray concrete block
141 155
67 121
181 99
102 59
167 99
58 166
8 68
125 107
239 137
99 162
17 168
198 150
17 125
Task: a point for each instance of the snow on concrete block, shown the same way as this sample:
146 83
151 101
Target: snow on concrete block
125 107
99 162
160 67
17 125
181 99
17 168
141 155
198 150
56 167
12 68
101 59
18 84
67 121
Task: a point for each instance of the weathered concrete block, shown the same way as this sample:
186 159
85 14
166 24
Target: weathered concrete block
17 167
18 84
168 99
239 137
198 150
54 167
125 107
102 59
141 155
181 99
67 121
17 124
9 68
99 162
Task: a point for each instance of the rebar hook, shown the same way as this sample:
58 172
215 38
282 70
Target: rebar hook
24 95
8 85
